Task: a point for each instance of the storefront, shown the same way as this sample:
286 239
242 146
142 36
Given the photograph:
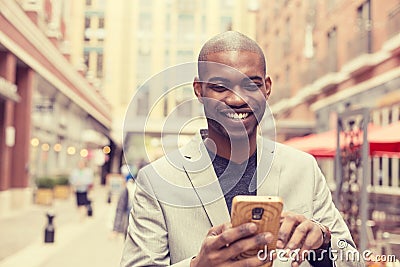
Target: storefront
50 115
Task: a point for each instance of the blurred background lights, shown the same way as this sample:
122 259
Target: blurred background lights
57 147
71 150
84 153
45 147
106 150
34 142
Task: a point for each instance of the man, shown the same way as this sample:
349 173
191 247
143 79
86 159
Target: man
182 203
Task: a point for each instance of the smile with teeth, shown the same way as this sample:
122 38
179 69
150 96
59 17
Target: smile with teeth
237 116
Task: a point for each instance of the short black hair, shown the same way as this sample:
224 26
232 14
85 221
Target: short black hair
230 41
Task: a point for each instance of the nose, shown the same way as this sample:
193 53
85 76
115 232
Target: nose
235 97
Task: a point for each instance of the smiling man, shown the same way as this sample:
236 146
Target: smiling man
180 216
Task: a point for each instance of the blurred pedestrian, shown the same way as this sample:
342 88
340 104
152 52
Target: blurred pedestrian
125 199
81 179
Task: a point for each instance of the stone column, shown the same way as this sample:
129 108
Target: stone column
22 122
8 64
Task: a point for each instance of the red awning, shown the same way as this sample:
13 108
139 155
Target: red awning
382 140
385 140
322 145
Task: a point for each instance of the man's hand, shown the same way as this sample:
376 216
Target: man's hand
224 243
298 232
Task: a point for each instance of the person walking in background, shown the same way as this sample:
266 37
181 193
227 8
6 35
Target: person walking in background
125 199
124 203
81 179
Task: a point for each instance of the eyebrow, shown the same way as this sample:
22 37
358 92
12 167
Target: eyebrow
255 77
218 79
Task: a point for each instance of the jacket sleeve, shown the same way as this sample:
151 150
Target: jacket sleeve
146 243
342 245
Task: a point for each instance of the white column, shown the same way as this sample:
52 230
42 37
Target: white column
385 116
395 172
395 113
376 170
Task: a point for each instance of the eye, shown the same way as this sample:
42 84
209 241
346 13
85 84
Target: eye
217 87
252 86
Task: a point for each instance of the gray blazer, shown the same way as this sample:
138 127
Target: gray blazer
178 199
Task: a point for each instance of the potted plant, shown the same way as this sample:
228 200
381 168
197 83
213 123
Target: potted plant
61 187
44 192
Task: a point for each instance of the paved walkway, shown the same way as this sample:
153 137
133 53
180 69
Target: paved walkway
77 242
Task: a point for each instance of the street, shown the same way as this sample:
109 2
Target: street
77 242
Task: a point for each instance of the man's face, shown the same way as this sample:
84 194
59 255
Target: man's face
234 90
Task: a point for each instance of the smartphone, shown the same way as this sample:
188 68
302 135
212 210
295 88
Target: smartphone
265 211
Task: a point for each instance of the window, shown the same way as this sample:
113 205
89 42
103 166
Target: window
145 22
101 23
86 57
184 56
183 101
287 75
185 27
363 17
87 22
143 64
142 101
287 38
87 29
332 50
100 65
226 24
364 26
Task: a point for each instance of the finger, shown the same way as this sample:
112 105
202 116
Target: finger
312 241
258 244
299 234
233 234
216 230
227 226
289 222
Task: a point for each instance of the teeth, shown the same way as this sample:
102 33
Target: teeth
237 116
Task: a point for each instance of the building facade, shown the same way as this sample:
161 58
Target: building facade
142 38
326 56
50 115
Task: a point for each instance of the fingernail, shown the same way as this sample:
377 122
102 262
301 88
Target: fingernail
268 237
252 227
279 244
290 245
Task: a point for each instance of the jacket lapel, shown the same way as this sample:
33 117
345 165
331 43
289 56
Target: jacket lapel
268 170
200 171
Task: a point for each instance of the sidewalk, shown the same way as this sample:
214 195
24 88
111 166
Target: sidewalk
77 243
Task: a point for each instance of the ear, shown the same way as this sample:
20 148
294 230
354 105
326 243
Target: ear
268 86
197 89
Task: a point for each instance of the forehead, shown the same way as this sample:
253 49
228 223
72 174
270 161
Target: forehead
232 63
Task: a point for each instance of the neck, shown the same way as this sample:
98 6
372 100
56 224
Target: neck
236 150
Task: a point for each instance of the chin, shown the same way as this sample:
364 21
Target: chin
231 134
239 136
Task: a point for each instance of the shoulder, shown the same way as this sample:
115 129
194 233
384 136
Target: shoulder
288 151
288 154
